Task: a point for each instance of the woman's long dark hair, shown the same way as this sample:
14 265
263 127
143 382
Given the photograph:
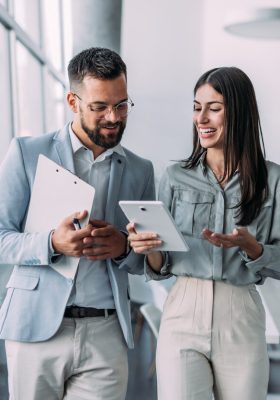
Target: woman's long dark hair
243 140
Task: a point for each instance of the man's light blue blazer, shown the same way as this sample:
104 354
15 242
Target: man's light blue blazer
37 295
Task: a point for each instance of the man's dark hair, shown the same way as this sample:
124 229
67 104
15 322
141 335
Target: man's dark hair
100 63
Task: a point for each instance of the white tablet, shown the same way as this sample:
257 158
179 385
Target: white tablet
153 216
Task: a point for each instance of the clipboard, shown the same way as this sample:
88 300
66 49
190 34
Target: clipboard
56 194
154 216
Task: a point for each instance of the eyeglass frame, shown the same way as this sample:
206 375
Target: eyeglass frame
108 108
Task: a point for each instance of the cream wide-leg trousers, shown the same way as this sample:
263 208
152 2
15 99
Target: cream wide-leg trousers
212 340
85 360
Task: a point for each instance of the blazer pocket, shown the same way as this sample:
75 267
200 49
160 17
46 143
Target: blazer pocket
27 282
192 210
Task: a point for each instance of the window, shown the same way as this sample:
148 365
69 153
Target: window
55 106
52 33
5 98
29 92
32 67
26 13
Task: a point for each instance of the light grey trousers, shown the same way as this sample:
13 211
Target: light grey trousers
85 360
212 340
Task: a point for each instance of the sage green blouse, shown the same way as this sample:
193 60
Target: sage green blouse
197 201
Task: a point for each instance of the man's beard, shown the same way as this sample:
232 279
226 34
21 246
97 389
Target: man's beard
106 141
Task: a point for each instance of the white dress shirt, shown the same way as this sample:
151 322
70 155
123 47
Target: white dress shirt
92 285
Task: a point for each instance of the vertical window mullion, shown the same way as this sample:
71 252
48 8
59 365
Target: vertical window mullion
14 83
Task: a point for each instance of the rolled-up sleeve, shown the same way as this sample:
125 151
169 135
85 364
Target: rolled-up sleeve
164 273
268 264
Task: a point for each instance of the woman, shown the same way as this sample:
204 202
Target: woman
225 200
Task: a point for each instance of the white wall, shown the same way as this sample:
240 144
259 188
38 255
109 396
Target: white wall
167 46
162 48
260 59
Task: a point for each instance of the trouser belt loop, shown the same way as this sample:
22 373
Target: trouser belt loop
106 314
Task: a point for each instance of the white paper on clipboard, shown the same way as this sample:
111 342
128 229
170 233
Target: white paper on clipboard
56 194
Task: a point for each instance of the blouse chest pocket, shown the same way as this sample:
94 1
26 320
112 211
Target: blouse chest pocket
191 210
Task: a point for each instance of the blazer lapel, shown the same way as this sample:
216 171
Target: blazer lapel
63 148
117 167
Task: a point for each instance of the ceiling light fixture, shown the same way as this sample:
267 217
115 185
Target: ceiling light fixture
260 23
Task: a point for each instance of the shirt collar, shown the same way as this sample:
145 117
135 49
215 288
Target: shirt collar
77 145
202 162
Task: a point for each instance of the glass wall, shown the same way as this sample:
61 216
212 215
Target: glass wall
33 40
52 29
27 15
55 104
5 98
29 93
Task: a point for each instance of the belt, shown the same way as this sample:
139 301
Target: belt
84 312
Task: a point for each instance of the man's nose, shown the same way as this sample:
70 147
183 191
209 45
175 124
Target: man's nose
112 115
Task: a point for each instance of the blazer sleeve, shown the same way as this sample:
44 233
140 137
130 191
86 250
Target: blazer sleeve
17 247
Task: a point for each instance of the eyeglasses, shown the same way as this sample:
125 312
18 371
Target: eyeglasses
102 110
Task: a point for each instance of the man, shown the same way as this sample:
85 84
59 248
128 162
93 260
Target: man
67 339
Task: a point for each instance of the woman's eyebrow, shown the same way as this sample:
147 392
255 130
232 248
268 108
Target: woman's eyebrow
209 102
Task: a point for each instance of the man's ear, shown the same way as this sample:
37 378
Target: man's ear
72 102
